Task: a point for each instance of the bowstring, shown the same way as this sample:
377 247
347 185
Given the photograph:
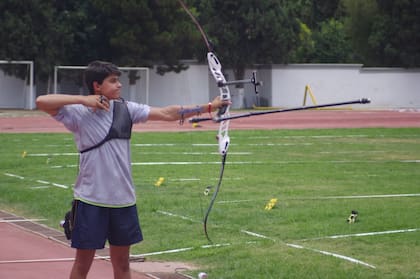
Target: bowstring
203 34
222 168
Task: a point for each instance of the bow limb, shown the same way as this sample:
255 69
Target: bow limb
222 136
213 198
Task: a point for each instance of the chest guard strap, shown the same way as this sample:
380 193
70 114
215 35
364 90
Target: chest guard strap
121 125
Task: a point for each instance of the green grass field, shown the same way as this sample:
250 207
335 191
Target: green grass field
317 176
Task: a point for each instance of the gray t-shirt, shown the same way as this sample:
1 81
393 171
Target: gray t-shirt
105 172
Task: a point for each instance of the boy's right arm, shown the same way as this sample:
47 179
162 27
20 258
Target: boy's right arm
52 103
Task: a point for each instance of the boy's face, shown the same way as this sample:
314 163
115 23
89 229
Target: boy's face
110 87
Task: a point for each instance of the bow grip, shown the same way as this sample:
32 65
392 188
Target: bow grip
224 145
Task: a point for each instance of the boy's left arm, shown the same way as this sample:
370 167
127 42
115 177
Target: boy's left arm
175 112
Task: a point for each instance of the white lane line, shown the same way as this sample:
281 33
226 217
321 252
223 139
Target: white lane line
20 220
51 154
236 201
14 175
346 258
38 180
108 257
361 196
183 249
194 163
177 216
257 235
362 234
343 257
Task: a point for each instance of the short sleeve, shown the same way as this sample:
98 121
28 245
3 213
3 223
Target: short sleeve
69 115
138 112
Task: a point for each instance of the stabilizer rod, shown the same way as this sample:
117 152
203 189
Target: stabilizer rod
252 80
254 113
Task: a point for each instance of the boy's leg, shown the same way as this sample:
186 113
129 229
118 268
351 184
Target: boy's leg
120 261
82 264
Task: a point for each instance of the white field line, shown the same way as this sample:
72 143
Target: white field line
231 153
179 250
20 220
152 276
39 187
51 154
346 258
183 249
331 197
49 260
280 144
236 201
14 175
177 216
185 179
173 163
258 162
39 181
191 163
66 166
362 234
352 152
194 153
258 235
148 153
195 163
173 144
155 144
314 137
362 196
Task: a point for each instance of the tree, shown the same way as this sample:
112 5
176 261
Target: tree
149 32
129 33
331 44
384 33
249 32
395 36
358 24
28 32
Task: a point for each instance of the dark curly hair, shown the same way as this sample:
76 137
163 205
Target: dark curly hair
98 71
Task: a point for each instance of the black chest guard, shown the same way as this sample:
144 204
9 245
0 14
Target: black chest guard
121 125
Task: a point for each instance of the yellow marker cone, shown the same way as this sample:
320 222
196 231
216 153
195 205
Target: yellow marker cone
159 181
271 204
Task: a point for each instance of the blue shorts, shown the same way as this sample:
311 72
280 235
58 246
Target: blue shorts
94 225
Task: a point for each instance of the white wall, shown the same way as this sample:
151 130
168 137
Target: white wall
391 88
284 86
387 88
187 87
12 92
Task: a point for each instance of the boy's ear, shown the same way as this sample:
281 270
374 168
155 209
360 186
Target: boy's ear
96 86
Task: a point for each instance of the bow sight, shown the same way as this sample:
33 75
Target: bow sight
253 80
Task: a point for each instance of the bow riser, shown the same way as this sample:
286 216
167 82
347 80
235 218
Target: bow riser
216 70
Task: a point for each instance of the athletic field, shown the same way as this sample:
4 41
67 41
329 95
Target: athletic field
285 198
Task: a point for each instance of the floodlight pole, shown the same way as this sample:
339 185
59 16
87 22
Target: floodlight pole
31 86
